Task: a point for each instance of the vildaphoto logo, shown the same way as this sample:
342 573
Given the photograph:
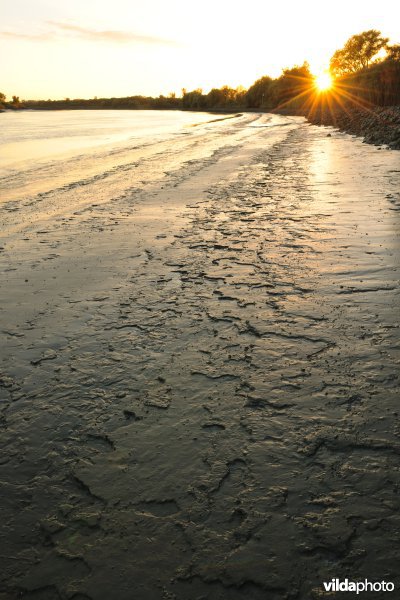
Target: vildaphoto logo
335 585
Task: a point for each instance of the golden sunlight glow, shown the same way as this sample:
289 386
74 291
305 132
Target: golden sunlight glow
323 81
119 49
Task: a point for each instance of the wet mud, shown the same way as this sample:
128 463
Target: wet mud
199 379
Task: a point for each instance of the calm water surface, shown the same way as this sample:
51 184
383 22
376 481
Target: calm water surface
45 152
32 136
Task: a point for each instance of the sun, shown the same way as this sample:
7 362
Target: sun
323 81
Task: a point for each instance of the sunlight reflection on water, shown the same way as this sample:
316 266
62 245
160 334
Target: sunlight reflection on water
39 135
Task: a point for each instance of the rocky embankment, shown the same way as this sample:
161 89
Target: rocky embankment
380 125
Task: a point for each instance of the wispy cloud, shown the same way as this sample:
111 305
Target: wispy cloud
68 30
119 37
35 37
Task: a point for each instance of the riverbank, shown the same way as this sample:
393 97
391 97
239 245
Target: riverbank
377 125
199 384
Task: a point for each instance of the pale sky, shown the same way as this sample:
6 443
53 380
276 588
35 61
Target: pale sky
85 48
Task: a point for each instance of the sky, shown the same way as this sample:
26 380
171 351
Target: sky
85 48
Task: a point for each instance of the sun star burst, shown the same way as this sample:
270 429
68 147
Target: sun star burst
323 81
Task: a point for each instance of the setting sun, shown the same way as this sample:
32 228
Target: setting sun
323 81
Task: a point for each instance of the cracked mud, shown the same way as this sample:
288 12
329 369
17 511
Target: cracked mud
199 376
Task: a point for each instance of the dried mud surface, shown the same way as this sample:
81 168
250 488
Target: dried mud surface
200 379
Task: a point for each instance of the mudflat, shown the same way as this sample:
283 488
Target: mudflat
200 371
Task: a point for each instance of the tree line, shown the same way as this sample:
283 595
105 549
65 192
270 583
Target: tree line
266 93
366 71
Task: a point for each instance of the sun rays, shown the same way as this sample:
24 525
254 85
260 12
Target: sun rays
322 94
323 81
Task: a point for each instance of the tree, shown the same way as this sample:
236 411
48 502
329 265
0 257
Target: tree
393 52
357 53
259 94
15 100
221 97
2 97
240 96
194 99
294 84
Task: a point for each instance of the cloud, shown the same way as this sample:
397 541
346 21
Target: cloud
120 37
39 37
68 30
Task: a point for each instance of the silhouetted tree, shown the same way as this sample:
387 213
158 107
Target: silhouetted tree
259 95
223 97
358 52
293 85
194 99
393 52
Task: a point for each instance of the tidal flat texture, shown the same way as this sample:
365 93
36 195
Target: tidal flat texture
200 371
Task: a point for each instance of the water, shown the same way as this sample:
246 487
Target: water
29 137
71 157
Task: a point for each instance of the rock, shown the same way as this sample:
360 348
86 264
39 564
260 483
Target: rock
379 126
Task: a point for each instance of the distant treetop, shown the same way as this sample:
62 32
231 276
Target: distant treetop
358 52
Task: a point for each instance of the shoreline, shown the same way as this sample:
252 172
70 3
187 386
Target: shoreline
379 126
